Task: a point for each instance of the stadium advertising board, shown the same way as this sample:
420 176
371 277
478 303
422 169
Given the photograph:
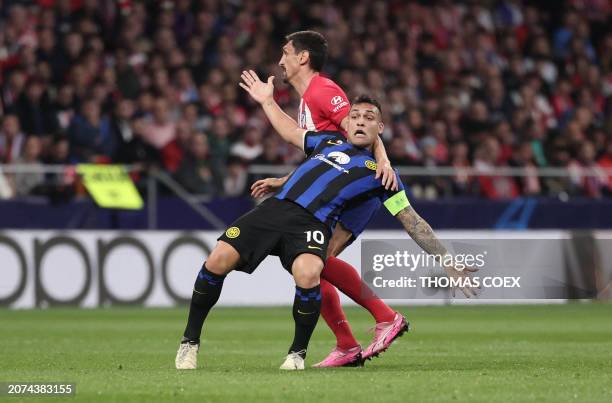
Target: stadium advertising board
157 268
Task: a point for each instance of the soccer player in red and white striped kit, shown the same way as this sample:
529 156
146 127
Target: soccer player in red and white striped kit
324 106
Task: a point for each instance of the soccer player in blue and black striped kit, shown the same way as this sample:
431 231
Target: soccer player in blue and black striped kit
296 223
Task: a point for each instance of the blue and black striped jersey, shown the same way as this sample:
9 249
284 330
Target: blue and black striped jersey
335 175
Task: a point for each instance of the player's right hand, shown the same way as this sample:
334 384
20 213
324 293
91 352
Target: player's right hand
264 186
257 89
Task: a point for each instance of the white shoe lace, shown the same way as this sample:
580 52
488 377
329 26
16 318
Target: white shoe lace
185 349
297 354
294 360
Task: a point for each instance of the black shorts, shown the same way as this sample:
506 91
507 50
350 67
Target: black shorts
276 227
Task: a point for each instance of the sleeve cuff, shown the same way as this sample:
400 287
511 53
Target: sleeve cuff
304 141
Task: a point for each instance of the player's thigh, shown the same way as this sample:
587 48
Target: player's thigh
254 235
303 237
223 258
306 270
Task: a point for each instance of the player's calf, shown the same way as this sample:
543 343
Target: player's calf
306 303
206 292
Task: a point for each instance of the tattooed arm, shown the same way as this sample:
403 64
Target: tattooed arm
420 231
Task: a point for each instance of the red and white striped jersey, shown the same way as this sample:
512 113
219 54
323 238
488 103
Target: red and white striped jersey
323 106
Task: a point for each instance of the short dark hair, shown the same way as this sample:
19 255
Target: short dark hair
314 43
367 99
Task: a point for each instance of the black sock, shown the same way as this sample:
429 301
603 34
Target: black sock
206 292
306 310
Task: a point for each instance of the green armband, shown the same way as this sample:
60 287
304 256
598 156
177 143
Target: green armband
397 202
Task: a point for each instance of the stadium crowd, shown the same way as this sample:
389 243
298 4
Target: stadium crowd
480 84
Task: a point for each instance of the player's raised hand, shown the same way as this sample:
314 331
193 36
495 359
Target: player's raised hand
463 274
389 179
264 186
257 89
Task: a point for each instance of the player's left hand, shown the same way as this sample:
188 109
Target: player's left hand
389 179
452 272
264 186
257 89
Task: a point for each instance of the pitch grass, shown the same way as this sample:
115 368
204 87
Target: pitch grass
551 353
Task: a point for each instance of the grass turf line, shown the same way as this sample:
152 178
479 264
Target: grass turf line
542 353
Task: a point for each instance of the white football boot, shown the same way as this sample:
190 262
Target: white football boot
187 356
293 362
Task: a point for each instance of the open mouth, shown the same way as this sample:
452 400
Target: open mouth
359 133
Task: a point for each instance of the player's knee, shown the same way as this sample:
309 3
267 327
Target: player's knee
306 278
307 270
222 259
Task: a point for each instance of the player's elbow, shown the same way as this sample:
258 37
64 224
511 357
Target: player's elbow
296 138
287 136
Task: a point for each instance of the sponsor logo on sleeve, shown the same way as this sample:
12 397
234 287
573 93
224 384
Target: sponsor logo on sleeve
338 103
370 165
232 232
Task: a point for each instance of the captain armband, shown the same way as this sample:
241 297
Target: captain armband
397 202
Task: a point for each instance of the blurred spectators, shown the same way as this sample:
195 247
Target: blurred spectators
249 147
489 155
606 162
195 173
478 84
34 110
59 187
593 185
29 182
235 182
90 134
11 139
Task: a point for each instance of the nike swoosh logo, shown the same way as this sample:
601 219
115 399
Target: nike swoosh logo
314 247
305 313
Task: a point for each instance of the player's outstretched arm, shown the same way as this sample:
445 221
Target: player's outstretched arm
264 94
420 231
